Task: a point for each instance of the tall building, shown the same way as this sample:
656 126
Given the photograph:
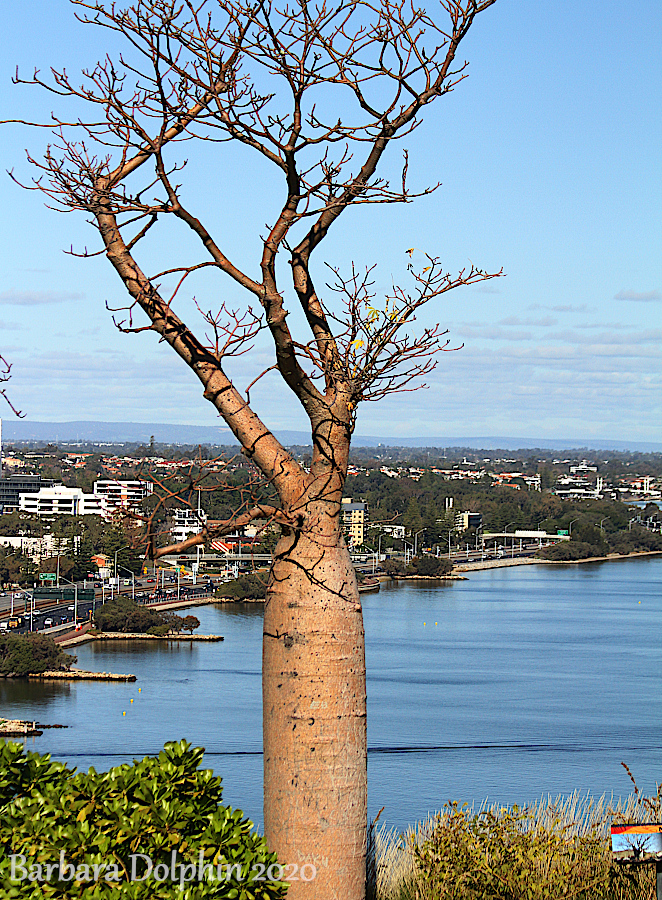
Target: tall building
354 517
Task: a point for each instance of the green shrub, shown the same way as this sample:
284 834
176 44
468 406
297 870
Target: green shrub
31 654
190 623
431 566
124 615
394 567
157 806
246 587
569 551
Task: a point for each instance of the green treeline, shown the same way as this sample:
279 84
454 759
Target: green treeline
122 614
31 654
422 507
246 587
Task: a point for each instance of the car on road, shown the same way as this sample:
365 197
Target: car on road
48 623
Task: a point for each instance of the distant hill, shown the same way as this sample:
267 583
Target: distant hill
140 432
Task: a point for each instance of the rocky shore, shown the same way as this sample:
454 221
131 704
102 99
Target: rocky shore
135 636
79 675
10 728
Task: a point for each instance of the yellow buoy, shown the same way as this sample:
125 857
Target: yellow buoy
124 713
139 690
131 701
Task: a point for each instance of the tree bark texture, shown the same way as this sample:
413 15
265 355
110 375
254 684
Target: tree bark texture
314 712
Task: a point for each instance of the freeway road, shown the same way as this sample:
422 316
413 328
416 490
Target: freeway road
47 615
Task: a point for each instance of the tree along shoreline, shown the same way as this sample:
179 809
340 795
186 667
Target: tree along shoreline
611 557
505 562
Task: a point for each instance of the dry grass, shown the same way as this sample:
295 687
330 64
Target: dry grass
497 852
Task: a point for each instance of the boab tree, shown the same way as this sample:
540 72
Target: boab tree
319 92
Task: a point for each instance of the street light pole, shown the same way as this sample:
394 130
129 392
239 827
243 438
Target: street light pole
133 580
505 530
75 587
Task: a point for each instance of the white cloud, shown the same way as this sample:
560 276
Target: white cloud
563 307
37 298
492 333
545 322
639 297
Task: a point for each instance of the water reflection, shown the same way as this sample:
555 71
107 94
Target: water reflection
22 694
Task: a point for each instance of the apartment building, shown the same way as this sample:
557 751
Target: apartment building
122 494
354 518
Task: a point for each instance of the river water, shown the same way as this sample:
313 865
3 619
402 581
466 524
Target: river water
513 684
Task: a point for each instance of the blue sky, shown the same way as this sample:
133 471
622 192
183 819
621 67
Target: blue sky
549 158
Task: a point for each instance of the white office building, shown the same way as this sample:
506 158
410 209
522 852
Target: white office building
62 501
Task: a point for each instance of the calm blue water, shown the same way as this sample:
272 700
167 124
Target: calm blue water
515 683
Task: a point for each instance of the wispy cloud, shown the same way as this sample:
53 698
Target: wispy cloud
37 298
639 296
544 322
492 333
562 307
488 288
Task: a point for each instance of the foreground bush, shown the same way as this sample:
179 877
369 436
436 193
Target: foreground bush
30 654
548 851
157 807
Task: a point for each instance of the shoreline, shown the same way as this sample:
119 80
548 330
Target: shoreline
611 557
531 560
79 675
17 728
139 636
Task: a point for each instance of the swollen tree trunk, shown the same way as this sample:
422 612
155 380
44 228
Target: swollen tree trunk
314 708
